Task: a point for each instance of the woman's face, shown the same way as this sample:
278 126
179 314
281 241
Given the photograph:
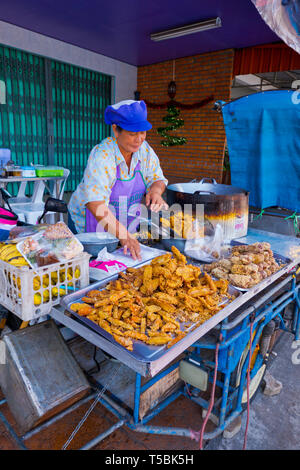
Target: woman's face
129 141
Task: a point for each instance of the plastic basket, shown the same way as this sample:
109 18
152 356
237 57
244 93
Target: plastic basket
49 171
30 294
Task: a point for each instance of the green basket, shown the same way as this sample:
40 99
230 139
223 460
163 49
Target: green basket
49 172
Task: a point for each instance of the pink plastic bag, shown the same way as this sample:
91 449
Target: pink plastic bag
107 264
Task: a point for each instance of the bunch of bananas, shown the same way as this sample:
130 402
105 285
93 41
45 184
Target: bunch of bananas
53 282
10 254
46 295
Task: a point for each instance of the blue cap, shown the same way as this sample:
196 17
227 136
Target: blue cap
129 115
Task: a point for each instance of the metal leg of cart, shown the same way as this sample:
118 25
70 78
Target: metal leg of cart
232 359
133 421
233 348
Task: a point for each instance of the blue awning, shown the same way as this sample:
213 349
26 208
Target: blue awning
263 138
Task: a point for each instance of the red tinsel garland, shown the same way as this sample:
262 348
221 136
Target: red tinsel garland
198 104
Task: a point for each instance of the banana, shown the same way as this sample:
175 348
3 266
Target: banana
46 295
2 248
9 254
8 250
16 283
36 283
37 299
77 273
46 280
12 256
2 245
19 261
55 291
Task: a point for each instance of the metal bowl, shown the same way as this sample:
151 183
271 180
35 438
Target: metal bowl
179 243
93 242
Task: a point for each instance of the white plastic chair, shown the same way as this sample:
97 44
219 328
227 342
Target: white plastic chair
29 209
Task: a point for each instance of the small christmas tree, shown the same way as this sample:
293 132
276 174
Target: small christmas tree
175 123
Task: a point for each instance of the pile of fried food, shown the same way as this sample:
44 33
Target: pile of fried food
153 302
246 266
182 224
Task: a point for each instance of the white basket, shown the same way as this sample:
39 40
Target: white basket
30 294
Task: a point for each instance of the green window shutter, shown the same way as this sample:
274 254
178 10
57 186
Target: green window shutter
54 112
23 124
79 99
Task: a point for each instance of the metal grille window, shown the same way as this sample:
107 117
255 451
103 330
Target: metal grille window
53 112
79 98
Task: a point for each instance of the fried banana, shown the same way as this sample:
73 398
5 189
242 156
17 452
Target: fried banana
168 307
120 323
94 293
126 342
176 339
105 325
89 300
210 282
180 257
143 325
168 298
202 292
159 340
147 274
136 335
82 309
168 327
152 309
162 260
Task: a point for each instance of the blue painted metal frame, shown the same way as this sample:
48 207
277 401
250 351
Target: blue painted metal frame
234 341
234 338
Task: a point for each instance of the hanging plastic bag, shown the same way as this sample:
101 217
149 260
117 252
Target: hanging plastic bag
283 17
207 248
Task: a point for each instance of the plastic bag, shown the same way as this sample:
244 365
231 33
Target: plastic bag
207 248
283 17
50 244
24 231
106 262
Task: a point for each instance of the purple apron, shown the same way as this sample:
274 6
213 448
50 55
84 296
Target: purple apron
125 195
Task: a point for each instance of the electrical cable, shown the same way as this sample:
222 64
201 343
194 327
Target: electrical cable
212 396
248 382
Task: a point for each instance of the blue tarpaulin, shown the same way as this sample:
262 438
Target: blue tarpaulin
263 138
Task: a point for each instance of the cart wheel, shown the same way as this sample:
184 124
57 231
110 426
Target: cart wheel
255 382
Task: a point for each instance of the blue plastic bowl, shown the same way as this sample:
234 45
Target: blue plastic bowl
94 242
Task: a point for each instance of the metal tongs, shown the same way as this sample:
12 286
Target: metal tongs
162 231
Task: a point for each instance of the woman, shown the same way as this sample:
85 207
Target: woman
120 171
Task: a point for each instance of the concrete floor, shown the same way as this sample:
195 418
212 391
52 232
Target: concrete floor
274 421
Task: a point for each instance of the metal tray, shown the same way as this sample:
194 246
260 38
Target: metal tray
280 259
141 351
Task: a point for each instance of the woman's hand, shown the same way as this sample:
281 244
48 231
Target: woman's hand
132 245
155 201
107 219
